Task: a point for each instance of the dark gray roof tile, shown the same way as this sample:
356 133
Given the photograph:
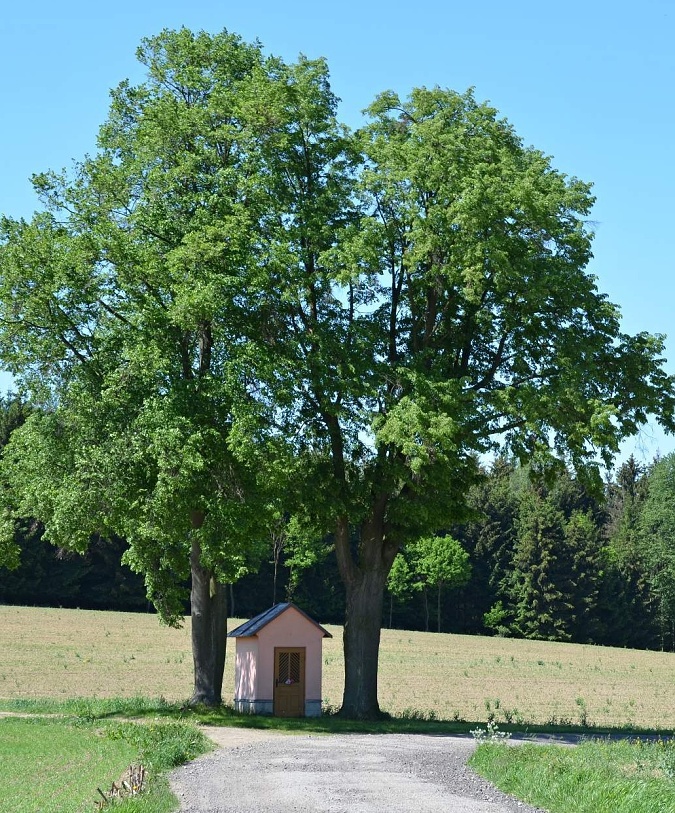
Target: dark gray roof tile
250 628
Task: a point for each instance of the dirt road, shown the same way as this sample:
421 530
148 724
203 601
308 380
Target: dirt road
265 772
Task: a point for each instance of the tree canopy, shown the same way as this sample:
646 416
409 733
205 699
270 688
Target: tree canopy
238 298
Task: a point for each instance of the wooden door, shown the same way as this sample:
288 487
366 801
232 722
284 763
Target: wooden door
289 681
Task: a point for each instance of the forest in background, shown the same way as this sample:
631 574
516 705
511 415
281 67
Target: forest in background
539 557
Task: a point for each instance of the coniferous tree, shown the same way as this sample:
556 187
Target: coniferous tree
584 550
657 543
489 538
542 579
625 498
625 606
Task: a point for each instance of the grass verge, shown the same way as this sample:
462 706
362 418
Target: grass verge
91 708
55 765
410 722
595 777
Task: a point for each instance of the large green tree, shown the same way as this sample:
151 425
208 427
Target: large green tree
121 310
542 581
449 314
490 537
628 611
236 291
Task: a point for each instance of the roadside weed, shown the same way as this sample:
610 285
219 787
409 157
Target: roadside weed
491 733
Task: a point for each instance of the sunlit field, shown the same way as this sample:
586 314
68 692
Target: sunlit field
80 653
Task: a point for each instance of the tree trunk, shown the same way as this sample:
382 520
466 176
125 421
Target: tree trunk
364 582
426 609
274 583
208 601
361 637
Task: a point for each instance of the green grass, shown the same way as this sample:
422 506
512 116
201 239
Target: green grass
94 708
595 777
55 765
411 722
50 765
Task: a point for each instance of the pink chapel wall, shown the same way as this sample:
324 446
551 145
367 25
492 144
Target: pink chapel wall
254 663
245 668
291 629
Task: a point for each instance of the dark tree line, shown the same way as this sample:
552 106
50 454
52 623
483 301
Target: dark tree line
547 560
553 562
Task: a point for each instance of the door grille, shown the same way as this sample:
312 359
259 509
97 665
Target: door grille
289 667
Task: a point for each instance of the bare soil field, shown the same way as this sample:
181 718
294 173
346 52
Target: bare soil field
81 653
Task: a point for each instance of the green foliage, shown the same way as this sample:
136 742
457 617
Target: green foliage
657 548
539 565
625 499
489 537
401 581
431 562
13 413
48 576
120 320
435 561
441 560
9 550
495 619
542 581
627 607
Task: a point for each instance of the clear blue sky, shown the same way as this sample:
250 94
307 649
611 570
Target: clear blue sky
589 82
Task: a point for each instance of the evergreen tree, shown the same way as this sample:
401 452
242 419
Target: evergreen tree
489 538
626 607
542 586
583 549
657 541
625 498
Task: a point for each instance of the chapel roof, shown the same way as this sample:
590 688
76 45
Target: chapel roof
250 628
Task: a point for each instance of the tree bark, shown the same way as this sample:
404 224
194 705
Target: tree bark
361 637
364 581
208 601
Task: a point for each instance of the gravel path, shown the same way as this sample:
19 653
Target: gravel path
266 772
